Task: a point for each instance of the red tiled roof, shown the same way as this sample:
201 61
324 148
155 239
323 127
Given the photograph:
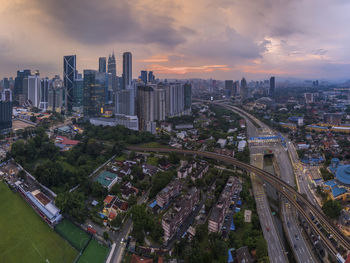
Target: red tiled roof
66 141
108 199
112 216
138 259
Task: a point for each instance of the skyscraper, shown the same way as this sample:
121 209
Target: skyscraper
127 70
229 90
78 92
112 69
144 76
272 87
244 89
125 102
94 93
151 77
18 90
44 93
5 109
55 96
31 90
102 64
69 75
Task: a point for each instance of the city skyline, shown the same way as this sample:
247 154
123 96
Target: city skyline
254 39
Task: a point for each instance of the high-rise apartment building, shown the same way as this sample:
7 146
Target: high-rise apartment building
159 104
127 70
174 99
272 87
145 106
102 64
5 109
187 96
69 75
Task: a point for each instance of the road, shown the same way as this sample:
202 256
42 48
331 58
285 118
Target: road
299 244
275 247
123 234
301 177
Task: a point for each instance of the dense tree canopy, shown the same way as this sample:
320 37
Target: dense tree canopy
332 208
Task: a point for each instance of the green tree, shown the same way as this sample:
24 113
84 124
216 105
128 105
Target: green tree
261 250
332 208
72 204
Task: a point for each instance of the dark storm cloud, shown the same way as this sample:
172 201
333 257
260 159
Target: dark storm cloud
103 22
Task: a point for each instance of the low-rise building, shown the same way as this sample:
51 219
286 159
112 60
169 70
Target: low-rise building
217 215
241 145
112 206
168 193
176 215
108 179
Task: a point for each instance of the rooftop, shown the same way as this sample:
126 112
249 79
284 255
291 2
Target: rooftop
106 178
343 174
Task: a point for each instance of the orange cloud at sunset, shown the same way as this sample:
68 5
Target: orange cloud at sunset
187 69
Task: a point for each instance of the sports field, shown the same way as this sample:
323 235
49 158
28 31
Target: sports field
75 236
25 237
94 253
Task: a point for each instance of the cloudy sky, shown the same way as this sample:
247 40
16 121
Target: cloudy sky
223 39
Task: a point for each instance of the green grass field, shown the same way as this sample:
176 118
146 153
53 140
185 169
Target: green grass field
94 253
77 237
25 237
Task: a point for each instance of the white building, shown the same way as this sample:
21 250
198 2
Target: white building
222 142
128 121
241 145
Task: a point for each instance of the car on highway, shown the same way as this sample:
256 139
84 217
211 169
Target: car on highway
288 224
267 228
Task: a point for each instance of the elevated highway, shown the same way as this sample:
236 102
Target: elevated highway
292 195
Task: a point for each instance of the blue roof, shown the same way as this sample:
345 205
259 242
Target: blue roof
265 138
237 209
47 213
337 191
343 174
153 204
318 127
331 183
239 202
230 258
232 227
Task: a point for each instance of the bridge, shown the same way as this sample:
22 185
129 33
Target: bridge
285 189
